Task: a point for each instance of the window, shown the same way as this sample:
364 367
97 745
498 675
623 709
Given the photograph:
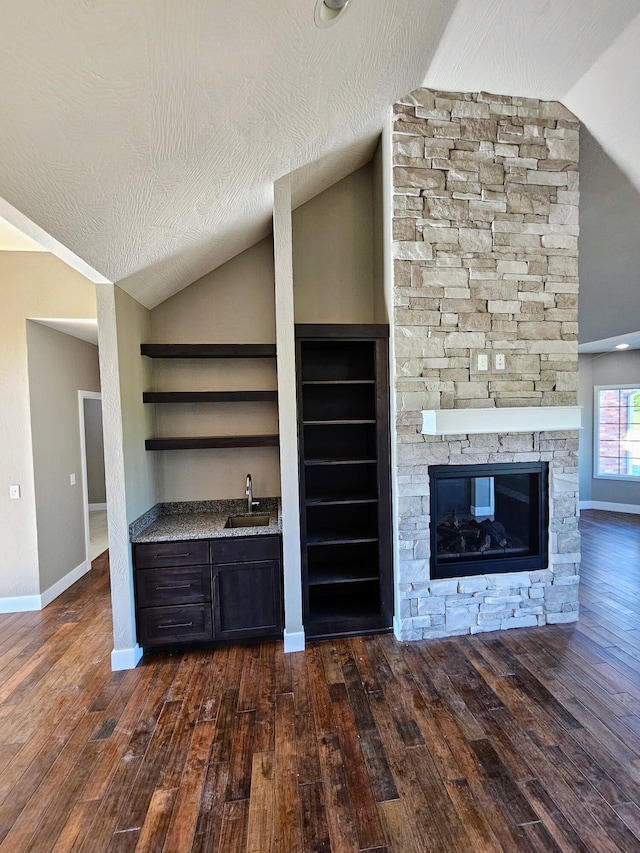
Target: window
617 432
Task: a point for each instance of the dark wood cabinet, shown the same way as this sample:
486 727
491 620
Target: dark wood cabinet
345 511
198 591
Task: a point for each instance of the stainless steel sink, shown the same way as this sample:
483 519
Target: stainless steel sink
247 520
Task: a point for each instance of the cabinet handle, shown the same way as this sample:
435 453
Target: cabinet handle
180 586
177 625
166 556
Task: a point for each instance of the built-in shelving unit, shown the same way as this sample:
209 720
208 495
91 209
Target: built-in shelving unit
213 351
343 413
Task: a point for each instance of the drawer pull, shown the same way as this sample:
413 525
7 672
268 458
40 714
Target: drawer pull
177 586
167 556
177 625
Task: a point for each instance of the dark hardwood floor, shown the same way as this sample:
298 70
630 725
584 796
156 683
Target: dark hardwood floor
518 741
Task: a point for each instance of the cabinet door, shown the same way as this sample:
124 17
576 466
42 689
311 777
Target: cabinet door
247 600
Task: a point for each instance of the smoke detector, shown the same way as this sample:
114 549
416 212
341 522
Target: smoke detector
328 11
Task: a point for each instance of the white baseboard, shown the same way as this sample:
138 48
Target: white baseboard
20 603
64 583
24 603
125 658
633 509
97 507
396 628
294 642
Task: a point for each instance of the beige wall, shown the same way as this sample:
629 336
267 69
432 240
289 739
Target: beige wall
94 443
233 304
377 197
59 367
34 284
333 255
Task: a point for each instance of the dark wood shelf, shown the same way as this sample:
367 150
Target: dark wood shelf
208 350
340 422
211 441
330 575
339 501
208 396
340 608
346 331
345 461
338 539
338 381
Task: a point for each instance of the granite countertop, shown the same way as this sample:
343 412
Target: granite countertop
171 522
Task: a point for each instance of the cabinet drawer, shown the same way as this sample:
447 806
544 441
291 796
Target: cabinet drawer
157 554
245 549
186 623
181 585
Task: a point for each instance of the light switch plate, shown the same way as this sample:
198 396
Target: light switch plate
72 479
14 492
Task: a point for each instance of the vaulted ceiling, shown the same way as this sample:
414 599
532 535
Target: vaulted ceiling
145 136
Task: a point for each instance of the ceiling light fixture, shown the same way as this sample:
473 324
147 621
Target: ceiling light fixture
622 346
328 11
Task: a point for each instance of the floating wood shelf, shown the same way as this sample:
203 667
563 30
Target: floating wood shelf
208 396
211 441
208 350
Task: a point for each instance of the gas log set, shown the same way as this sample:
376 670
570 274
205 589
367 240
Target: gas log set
465 535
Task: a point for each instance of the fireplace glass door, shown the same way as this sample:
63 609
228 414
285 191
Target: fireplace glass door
488 518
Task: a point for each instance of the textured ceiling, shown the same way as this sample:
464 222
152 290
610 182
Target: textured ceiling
145 136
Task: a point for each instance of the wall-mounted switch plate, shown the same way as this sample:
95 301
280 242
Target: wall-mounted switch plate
14 492
72 479
500 362
483 361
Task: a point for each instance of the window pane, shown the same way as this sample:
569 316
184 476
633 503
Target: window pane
618 432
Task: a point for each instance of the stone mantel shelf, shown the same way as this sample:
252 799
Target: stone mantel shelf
500 420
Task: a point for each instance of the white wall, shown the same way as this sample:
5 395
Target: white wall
133 323
333 253
123 324
34 284
615 368
59 366
233 304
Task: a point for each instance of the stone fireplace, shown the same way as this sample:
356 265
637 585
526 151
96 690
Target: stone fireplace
485 288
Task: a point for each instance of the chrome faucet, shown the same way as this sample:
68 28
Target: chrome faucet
249 493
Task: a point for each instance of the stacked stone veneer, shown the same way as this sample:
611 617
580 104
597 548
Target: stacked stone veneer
486 261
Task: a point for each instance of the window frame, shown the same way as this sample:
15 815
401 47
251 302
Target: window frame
633 478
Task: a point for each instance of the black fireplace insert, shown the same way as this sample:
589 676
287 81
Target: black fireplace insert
488 518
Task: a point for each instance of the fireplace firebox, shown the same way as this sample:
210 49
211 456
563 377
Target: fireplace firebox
488 518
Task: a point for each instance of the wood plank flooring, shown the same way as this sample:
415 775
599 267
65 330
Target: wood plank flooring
525 740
